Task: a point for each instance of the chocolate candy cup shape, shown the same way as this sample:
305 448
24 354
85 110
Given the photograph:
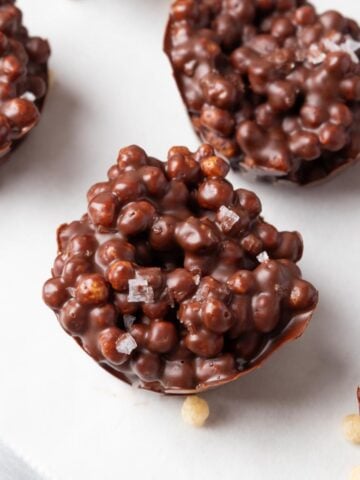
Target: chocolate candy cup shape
172 280
23 78
271 84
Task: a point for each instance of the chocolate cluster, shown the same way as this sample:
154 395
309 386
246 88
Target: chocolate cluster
23 77
173 280
271 84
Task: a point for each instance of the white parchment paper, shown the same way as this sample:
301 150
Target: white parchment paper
113 87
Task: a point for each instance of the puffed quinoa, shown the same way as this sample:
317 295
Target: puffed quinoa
355 473
351 428
195 411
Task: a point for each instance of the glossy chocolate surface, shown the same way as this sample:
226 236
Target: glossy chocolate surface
271 84
173 280
23 78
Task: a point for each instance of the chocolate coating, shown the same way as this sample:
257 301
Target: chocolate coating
173 280
23 78
272 85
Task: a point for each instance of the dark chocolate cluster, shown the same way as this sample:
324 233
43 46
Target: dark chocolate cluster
270 84
23 77
173 280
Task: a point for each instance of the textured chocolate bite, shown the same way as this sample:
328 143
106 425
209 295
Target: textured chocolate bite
173 280
23 78
271 84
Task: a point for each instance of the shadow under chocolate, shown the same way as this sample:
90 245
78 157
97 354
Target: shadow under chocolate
302 372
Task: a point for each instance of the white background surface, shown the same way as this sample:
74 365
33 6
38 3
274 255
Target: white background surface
113 87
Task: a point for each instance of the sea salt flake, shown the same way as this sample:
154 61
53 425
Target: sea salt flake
350 46
126 344
28 96
199 296
189 67
315 54
197 279
228 218
129 321
140 291
331 45
263 257
202 293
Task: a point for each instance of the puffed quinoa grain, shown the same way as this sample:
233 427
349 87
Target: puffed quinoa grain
351 428
195 411
355 473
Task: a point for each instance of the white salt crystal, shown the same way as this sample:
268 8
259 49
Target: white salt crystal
202 293
263 257
140 291
190 66
197 279
228 218
350 46
129 321
126 344
28 96
315 54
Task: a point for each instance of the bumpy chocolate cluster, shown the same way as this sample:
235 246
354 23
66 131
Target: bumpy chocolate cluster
173 279
23 77
271 84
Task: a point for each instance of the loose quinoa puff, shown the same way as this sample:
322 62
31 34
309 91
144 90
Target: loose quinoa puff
172 280
23 78
271 84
